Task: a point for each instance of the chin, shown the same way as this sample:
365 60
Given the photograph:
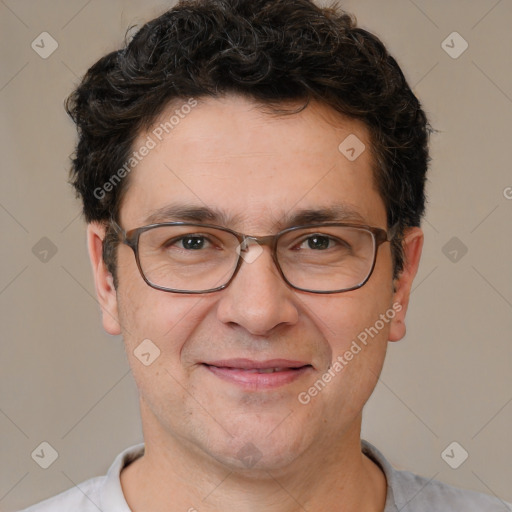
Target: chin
253 462
253 452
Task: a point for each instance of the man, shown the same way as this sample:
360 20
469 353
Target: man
252 174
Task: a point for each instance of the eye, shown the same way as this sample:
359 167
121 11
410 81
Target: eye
320 242
193 242
190 242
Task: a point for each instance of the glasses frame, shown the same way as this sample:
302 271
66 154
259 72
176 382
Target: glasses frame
132 236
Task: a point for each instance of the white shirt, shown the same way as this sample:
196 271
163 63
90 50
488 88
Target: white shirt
406 492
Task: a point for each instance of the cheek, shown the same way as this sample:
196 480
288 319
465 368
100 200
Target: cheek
147 313
361 316
156 326
155 323
356 327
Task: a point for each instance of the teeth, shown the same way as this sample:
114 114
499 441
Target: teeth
264 370
268 370
260 370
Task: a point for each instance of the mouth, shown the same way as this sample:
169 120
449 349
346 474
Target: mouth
253 375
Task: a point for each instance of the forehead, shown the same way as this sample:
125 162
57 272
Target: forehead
252 170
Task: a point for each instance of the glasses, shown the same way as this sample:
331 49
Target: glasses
183 257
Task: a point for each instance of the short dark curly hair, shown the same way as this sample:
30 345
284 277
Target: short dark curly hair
274 52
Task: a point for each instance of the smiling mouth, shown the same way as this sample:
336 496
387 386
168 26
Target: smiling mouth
263 370
258 375
260 370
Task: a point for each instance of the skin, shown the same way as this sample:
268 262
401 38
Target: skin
228 154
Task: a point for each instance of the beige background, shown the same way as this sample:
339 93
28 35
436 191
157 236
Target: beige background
64 381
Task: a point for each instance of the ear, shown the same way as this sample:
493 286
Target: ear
103 280
412 246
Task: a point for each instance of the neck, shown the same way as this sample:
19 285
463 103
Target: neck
174 476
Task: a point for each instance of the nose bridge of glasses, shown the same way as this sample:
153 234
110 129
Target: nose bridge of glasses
260 240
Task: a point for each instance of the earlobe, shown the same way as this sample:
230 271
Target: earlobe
103 281
412 246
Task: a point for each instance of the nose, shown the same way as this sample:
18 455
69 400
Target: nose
258 299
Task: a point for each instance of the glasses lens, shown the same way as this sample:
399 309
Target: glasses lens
187 258
326 258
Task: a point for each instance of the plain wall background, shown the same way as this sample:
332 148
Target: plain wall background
64 381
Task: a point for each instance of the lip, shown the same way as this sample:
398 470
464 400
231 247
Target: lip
244 372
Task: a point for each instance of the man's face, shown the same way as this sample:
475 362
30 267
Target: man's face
256 169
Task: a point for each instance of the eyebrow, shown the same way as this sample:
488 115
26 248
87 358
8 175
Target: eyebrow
205 214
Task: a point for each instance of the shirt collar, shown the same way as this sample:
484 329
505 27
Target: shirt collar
112 497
